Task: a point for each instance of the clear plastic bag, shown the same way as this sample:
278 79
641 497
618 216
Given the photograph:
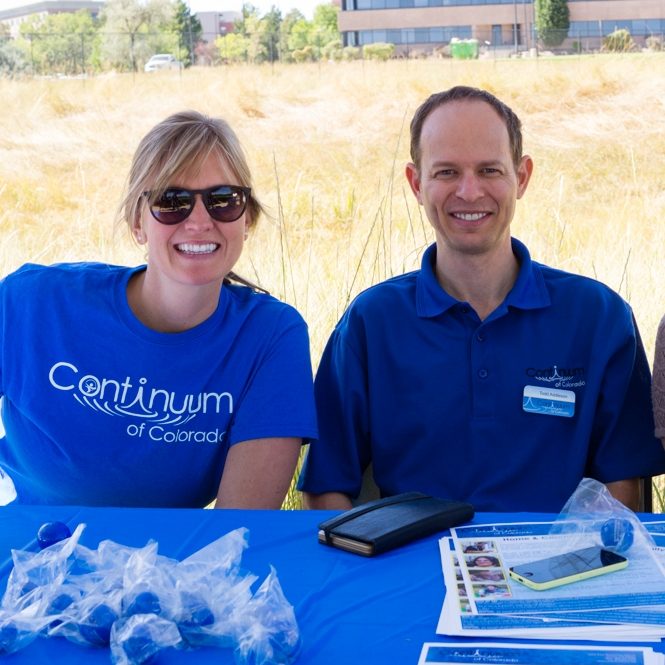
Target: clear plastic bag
270 634
214 595
33 571
149 584
19 629
139 602
136 639
592 516
7 489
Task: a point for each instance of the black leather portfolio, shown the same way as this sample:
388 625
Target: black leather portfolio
381 525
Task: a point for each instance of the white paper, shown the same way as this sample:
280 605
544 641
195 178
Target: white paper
481 598
453 653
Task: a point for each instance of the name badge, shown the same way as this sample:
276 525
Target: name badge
548 401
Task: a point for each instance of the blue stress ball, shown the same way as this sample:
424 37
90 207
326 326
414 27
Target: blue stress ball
8 637
57 606
617 534
145 602
51 533
139 646
97 627
196 611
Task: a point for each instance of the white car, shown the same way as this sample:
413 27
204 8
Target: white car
162 61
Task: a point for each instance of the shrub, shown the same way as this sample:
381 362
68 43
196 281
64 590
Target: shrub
305 54
618 41
351 53
655 43
379 51
332 50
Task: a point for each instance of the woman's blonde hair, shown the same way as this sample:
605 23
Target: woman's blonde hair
178 145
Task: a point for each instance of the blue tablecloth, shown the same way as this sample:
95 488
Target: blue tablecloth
350 609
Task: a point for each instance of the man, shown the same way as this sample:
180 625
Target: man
483 376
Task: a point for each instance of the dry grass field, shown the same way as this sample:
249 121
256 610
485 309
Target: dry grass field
328 144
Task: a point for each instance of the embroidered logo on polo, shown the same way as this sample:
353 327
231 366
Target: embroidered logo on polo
133 398
558 377
552 395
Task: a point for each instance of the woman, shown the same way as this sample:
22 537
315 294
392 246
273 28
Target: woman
169 384
658 383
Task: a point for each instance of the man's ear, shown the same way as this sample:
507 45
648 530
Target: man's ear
413 176
524 171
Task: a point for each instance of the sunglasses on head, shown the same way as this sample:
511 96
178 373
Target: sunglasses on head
224 203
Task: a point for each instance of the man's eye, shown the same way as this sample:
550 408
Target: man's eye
490 170
444 173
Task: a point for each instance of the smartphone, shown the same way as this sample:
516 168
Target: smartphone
567 568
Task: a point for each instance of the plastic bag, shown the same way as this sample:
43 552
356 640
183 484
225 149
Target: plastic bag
214 615
592 516
17 630
33 571
7 489
149 584
271 634
136 639
214 595
139 602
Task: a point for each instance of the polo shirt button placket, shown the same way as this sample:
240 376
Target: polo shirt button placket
482 373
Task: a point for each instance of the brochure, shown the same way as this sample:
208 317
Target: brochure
453 653
482 599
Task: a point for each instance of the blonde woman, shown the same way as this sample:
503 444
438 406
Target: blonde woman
173 383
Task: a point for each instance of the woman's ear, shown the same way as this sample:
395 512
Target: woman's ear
139 235
137 230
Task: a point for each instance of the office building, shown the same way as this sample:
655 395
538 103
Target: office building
425 25
15 16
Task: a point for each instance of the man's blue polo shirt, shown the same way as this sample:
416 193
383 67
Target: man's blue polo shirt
509 413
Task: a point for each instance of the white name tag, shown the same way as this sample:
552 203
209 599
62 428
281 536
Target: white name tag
548 401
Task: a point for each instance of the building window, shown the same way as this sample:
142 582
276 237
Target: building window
410 36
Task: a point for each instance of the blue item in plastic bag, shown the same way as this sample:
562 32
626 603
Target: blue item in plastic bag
96 627
617 534
145 602
51 533
8 636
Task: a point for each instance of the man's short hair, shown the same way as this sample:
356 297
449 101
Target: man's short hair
458 93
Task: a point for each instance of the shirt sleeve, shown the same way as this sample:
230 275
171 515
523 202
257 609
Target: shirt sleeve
278 400
623 443
3 340
336 462
658 385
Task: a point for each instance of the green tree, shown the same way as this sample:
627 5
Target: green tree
325 23
250 15
188 28
552 21
233 47
300 34
60 43
322 33
12 58
288 23
134 30
269 30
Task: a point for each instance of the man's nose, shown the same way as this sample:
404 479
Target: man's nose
469 187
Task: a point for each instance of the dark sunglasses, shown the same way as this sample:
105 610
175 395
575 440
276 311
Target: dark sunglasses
224 203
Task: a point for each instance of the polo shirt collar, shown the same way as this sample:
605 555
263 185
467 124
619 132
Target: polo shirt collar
528 292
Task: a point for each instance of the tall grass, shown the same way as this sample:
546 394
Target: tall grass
327 144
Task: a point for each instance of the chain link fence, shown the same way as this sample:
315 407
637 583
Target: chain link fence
81 54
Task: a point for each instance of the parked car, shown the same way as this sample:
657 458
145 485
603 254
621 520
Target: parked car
162 61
